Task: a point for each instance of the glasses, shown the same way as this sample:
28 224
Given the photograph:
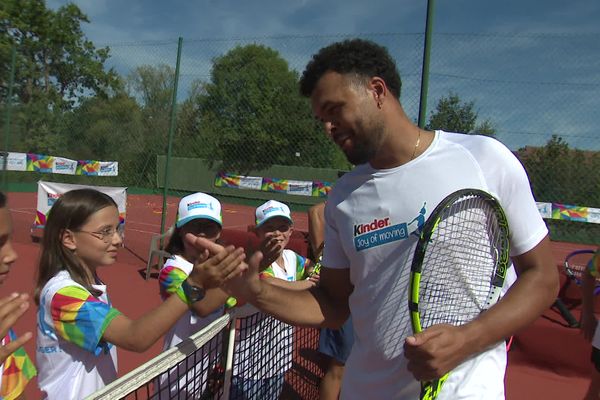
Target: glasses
106 234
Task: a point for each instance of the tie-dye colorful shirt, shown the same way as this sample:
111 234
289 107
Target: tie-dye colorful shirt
294 268
17 370
175 270
594 265
70 348
170 277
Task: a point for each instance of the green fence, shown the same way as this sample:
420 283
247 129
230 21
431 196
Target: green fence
238 110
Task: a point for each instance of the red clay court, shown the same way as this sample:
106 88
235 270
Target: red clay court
547 360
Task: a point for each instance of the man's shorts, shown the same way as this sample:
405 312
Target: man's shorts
337 343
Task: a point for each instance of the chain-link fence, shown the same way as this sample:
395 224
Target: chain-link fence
238 108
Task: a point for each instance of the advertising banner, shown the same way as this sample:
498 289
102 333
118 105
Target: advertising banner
49 192
277 185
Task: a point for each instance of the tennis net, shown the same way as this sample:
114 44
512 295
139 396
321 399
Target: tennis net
243 354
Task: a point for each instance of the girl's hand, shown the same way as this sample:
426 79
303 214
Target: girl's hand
215 264
244 284
11 309
315 278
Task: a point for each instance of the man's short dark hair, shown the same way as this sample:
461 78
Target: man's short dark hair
361 57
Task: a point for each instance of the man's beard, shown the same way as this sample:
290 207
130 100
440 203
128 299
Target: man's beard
366 148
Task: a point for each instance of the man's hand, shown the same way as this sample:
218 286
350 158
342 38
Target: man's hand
246 285
215 264
435 351
11 309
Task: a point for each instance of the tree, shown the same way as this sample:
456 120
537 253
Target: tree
251 114
563 175
453 115
559 174
56 66
53 54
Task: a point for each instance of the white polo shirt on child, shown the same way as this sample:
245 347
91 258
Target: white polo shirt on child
73 361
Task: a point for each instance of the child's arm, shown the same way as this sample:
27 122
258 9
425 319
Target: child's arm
316 228
89 323
214 299
11 309
588 319
138 335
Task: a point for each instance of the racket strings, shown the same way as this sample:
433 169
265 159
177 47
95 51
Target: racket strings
459 264
578 265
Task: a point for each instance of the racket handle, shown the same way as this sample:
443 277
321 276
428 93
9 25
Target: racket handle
566 314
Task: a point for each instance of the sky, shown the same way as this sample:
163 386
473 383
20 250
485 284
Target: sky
532 68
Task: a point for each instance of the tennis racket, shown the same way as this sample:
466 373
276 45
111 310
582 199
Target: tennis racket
459 265
576 263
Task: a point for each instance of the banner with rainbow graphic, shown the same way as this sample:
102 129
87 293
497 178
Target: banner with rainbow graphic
567 212
58 165
277 185
49 192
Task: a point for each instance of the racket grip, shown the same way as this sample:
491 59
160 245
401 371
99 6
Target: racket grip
566 314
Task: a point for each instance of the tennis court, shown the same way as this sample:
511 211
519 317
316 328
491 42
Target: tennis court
546 358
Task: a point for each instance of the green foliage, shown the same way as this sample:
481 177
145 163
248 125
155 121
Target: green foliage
56 68
563 175
453 115
53 55
252 116
559 174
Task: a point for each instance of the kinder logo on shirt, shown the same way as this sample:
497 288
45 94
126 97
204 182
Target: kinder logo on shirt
378 232
376 224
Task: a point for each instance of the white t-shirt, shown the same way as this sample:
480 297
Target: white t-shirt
396 202
265 345
73 361
174 271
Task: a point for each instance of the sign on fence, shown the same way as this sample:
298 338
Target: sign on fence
49 192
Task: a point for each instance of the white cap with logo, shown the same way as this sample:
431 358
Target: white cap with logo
198 205
270 209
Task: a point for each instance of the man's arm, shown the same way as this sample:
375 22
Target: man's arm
323 305
441 348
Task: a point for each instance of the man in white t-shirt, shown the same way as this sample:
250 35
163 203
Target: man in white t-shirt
402 173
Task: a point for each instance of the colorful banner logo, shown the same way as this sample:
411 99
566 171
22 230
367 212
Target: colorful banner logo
58 165
276 185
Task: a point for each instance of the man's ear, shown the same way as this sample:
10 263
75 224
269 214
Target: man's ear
378 87
67 238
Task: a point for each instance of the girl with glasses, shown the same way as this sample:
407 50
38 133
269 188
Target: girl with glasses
78 328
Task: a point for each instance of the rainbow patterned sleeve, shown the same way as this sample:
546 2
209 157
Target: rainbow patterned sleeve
302 265
170 280
81 319
18 370
594 265
267 272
